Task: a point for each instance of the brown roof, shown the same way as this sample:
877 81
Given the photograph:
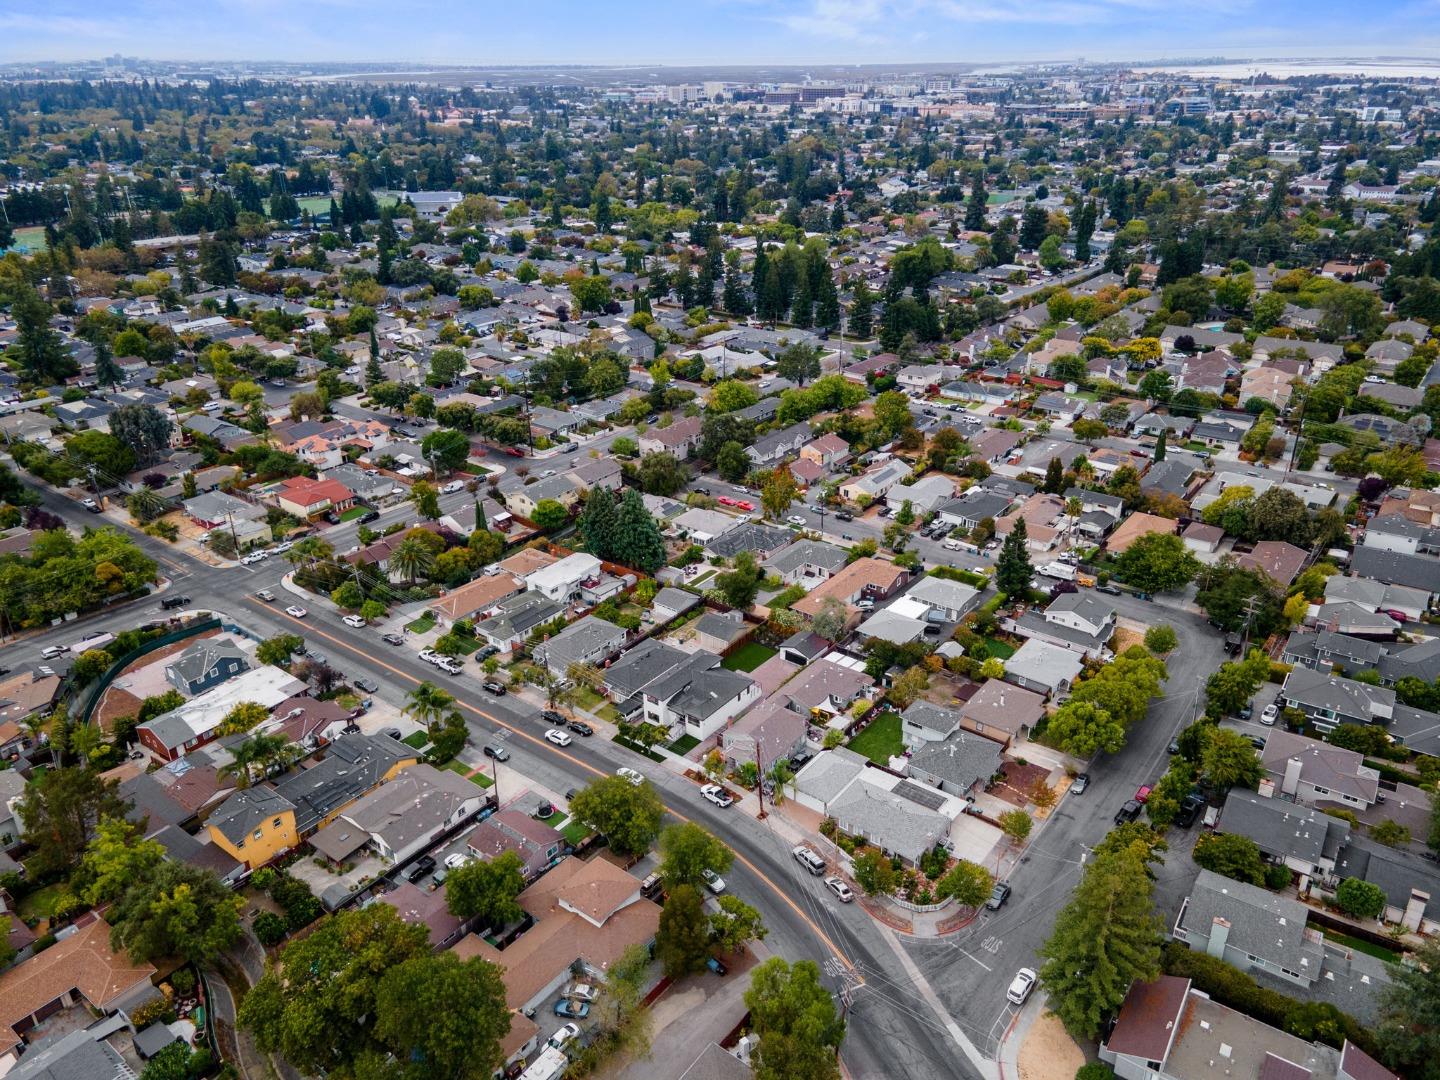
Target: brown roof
1004 707
527 561
481 593
23 694
560 936
1134 527
84 962
1148 1018
1358 1065
1280 560
849 581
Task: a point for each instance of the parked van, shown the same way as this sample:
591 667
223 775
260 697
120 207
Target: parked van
652 887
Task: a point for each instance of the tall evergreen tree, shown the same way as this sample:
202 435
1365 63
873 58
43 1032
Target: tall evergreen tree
862 310
975 205
1012 569
827 303
1054 477
1160 446
373 372
733 298
38 348
598 522
1108 936
637 542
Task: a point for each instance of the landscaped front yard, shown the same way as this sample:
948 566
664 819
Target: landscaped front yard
588 699
423 623
417 740
881 740
748 657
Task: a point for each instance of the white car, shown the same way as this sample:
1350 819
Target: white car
296 611
1374 379
428 655
266 595
718 795
631 775
455 860
1020 987
558 737
254 557
280 549
52 651
353 620
452 487
796 519
840 889
582 992
713 881
564 1035
1270 715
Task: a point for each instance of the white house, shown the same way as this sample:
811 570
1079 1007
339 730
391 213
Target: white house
560 581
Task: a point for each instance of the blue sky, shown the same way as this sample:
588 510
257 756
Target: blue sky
485 32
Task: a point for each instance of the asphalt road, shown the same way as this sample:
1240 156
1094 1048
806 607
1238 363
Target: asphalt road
893 1031
971 968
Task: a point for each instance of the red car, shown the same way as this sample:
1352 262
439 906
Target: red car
1143 793
744 505
725 500
513 451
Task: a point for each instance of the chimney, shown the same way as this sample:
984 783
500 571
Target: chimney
1292 776
1219 934
1415 910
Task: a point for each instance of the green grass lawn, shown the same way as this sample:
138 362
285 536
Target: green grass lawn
40 903
589 699
556 819
1378 951
999 649
354 512
459 768
417 740
881 740
575 833
468 645
423 623
609 713
683 745
703 577
748 657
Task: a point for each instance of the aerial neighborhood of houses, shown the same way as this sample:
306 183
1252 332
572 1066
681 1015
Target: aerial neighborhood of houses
629 566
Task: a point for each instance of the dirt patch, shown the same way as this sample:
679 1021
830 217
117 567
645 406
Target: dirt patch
1048 1052
1018 782
1124 638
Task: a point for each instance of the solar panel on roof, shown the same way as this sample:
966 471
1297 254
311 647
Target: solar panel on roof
918 793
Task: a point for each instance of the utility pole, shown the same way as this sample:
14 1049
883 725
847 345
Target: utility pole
760 782
1250 605
230 520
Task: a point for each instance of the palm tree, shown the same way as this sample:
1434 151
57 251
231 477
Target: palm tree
311 548
427 703
411 558
261 750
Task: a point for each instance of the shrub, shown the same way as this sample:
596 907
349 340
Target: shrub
264 879
270 928
1360 898
1277 876
149 1012
183 980
1095 1070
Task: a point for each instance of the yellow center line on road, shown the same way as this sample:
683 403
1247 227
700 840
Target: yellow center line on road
551 748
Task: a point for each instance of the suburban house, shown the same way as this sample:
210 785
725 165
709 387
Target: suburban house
400 818
537 844
1397 568
476 598
584 916
770 732
1329 700
522 499
255 826
1316 773
866 578
1305 839
589 641
1250 928
212 509
973 507
680 438
1045 668
1282 562
560 581
1079 621
515 618
1167 1030
175 733
899 816
877 482
1135 526
946 599
807 562
80 969
923 496
698 696
206 664
1002 711
956 764
427 908
828 451
306 498
769 450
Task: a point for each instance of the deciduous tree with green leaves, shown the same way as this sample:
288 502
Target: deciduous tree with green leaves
795 1017
968 883
627 814
687 850
486 889
734 924
682 942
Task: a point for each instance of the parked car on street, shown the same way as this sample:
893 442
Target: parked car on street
558 737
577 1010
1079 784
718 795
998 896
840 889
296 611
392 639
1020 987
630 775
499 753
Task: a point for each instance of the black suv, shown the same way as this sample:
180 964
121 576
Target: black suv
1129 812
1189 810
550 716
368 516
419 868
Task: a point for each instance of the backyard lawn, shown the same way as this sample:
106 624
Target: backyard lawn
881 740
999 649
40 903
1390 956
575 833
748 657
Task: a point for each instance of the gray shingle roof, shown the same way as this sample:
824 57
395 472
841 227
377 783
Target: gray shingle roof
1284 828
1262 923
960 761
